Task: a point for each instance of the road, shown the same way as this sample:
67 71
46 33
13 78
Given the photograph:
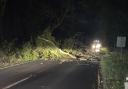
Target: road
63 76
16 73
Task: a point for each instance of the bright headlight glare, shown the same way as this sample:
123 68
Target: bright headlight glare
93 46
98 46
97 50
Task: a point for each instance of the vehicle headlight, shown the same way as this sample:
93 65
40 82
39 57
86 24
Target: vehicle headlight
98 46
93 46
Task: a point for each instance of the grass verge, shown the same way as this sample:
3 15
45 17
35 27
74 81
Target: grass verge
114 70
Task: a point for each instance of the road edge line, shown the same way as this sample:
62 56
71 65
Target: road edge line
16 83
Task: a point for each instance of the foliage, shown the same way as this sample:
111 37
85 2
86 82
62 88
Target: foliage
47 34
115 70
42 49
28 53
68 43
104 50
48 49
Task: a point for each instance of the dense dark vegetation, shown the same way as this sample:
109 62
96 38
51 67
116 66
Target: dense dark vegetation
32 29
22 20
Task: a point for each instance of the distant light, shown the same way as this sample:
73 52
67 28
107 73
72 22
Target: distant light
96 46
126 78
97 50
93 46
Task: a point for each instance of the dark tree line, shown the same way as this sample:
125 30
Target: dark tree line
22 20
101 19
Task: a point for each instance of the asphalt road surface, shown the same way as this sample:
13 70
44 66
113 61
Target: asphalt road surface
63 76
16 73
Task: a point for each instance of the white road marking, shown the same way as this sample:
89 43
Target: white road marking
18 82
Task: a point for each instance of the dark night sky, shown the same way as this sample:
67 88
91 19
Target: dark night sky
98 18
104 19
